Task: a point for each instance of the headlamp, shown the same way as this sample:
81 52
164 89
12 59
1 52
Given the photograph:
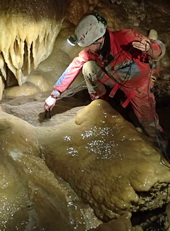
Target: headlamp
72 40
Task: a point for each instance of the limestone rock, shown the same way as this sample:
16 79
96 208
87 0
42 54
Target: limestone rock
32 198
106 161
29 191
103 157
28 31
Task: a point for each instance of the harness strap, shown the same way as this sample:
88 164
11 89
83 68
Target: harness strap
114 90
129 96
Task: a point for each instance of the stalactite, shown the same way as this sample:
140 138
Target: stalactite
28 31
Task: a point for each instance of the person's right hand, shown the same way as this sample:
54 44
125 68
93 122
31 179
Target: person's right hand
143 45
49 103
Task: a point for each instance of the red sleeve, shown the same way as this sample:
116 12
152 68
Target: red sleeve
71 72
155 50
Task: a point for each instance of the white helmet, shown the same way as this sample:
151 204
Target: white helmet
89 29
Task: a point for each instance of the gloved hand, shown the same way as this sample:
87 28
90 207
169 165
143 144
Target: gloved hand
49 103
143 45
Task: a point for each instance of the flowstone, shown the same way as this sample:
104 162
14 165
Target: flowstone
106 161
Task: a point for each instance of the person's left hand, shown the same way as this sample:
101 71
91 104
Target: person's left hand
143 45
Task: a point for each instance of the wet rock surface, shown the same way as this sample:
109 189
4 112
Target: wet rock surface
67 164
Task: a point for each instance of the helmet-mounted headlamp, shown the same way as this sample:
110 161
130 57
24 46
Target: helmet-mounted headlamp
90 29
72 40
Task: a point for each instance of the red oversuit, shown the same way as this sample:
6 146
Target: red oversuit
122 67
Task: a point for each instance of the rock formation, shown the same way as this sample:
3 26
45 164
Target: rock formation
32 198
28 32
107 162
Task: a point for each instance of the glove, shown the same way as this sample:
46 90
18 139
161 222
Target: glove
49 103
143 45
